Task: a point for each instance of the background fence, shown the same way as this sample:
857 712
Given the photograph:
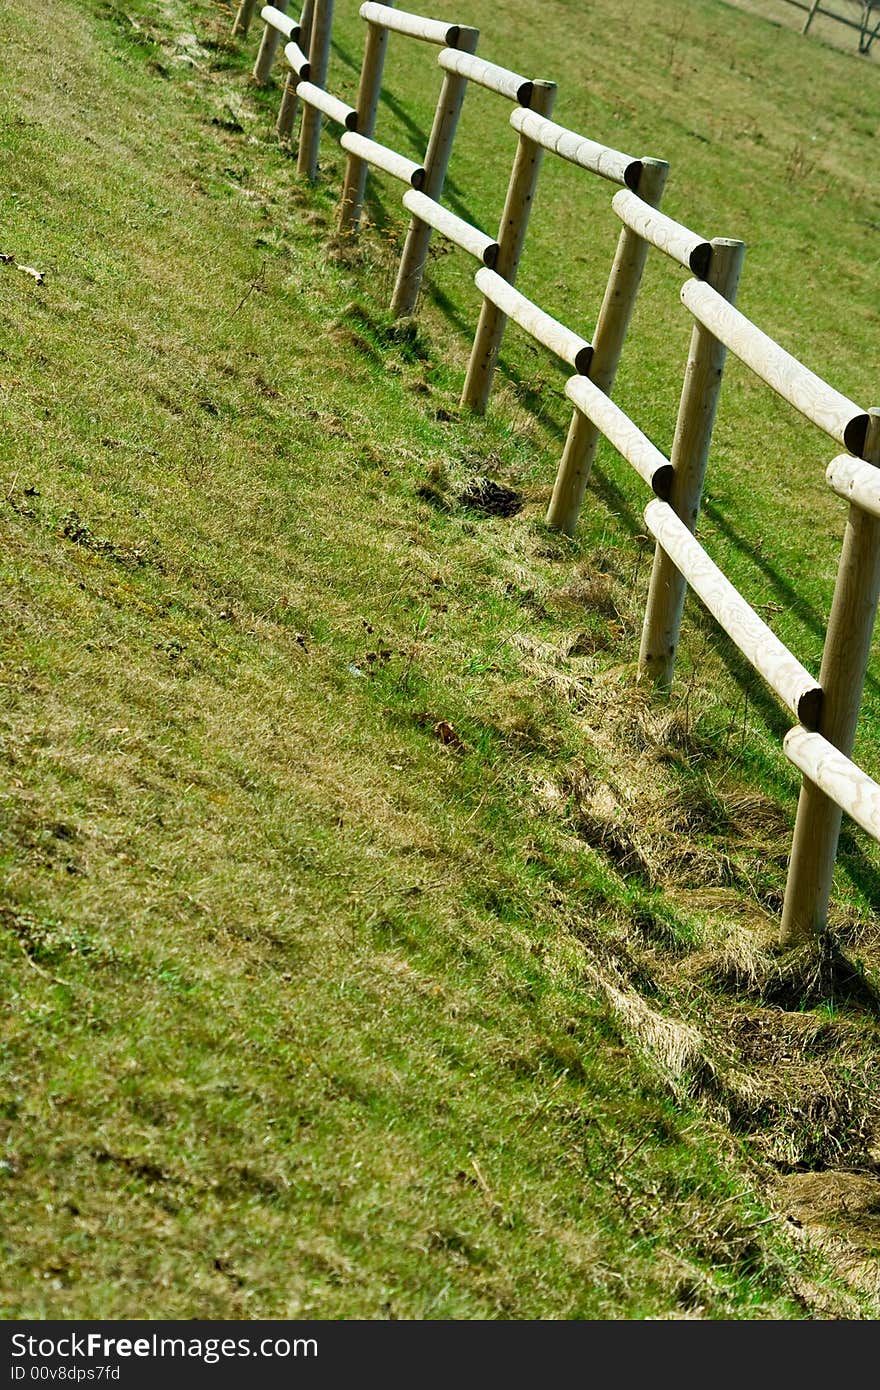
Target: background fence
863 16
826 709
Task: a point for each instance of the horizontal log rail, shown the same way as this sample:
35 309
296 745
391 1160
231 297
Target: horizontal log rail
783 673
577 149
381 157
678 242
651 465
415 26
489 75
284 23
837 776
329 106
552 334
298 60
855 481
454 228
818 402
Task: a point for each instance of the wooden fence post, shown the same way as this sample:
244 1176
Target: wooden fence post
690 453
268 48
842 676
511 235
613 321
319 57
415 248
243 18
369 91
809 19
289 100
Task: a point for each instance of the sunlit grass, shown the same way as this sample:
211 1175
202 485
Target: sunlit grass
375 947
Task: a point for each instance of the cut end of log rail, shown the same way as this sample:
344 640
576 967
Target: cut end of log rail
632 174
700 259
582 359
809 710
855 434
661 481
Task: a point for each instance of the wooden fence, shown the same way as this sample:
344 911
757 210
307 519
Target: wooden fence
864 18
826 709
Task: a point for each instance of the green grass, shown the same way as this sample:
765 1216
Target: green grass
375 948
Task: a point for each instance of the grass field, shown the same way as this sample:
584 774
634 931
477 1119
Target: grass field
375 946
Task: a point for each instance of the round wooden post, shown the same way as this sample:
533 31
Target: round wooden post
842 676
415 247
319 57
268 48
288 108
369 91
614 316
289 100
511 235
690 453
243 18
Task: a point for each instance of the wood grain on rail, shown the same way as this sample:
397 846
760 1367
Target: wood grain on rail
454 228
629 441
839 417
416 26
552 334
577 149
669 236
381 157
781 670
489 75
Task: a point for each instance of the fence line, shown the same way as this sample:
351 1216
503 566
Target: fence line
299 70
866 33
827 709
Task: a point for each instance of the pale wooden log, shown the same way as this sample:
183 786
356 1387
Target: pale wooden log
290 101
330 106
381 157
511 236
837 776
354 185
489 75
552 334
276 17
618 303
415 248
577 149
690 453
319 55
839 417
298 61
415 25
842 676
454 228
783 673
277 24
855 481
243 17
606 417
669 236
288 108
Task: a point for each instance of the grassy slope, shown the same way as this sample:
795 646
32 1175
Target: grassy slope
314 1011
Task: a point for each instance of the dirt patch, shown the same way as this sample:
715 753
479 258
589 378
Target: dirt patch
490 498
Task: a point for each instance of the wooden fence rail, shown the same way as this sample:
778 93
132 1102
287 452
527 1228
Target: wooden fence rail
826 709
